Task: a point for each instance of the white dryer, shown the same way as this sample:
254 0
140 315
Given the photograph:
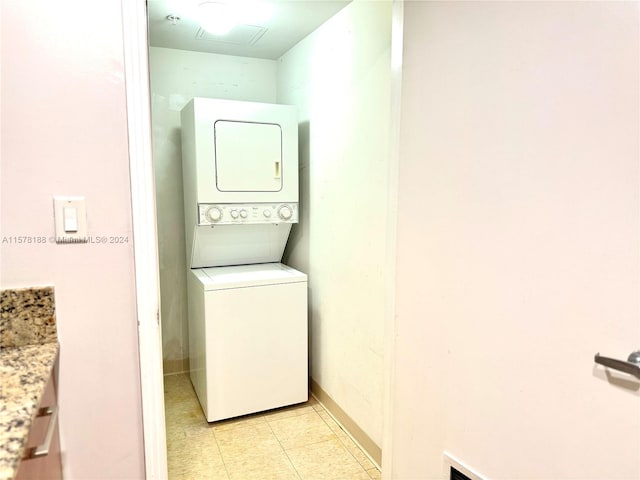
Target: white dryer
248 338
239 152
240 168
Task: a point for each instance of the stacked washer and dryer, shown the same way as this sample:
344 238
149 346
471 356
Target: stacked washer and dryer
247 311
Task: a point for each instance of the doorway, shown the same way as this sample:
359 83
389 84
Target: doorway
344 100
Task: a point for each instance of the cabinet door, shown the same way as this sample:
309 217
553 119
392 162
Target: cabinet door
49 466
256 349
248 156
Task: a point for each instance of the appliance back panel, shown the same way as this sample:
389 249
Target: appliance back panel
221 245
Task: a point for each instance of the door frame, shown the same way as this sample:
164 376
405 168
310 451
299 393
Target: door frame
145 238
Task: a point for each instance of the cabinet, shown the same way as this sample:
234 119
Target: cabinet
43 437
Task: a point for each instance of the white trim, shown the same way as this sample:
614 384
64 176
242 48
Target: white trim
136 66
397 35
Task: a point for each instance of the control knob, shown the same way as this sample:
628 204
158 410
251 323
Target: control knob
243 213
214 214
234 214
285 212
267 213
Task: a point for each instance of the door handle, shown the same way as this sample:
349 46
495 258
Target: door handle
631 366
43 450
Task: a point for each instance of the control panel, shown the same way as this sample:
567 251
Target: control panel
246 213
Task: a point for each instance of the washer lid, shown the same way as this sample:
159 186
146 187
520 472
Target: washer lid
238 276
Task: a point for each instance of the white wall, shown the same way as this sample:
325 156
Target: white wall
518 240
176 77
339 78
64 133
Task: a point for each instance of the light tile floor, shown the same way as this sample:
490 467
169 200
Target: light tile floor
301 442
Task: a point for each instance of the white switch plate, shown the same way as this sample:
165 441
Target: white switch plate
71 219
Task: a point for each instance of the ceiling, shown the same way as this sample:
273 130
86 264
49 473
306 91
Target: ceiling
291 21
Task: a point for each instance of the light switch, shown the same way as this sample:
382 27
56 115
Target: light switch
70 219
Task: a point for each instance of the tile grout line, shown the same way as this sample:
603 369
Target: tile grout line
284 450
339 425
345 447
224 464
317 408
312 443
375 464
213 432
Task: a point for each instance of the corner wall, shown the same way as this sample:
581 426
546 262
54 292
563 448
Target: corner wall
339 78
176 77
64 132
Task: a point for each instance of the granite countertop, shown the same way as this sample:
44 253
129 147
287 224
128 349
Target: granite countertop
28 354
24 373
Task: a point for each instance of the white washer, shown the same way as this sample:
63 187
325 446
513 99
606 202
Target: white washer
248 346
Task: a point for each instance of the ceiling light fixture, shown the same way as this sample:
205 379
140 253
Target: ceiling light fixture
217 18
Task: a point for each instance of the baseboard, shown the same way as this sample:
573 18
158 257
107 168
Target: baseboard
170 367
350 426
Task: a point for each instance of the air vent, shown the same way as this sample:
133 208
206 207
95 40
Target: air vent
242 35
454 469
